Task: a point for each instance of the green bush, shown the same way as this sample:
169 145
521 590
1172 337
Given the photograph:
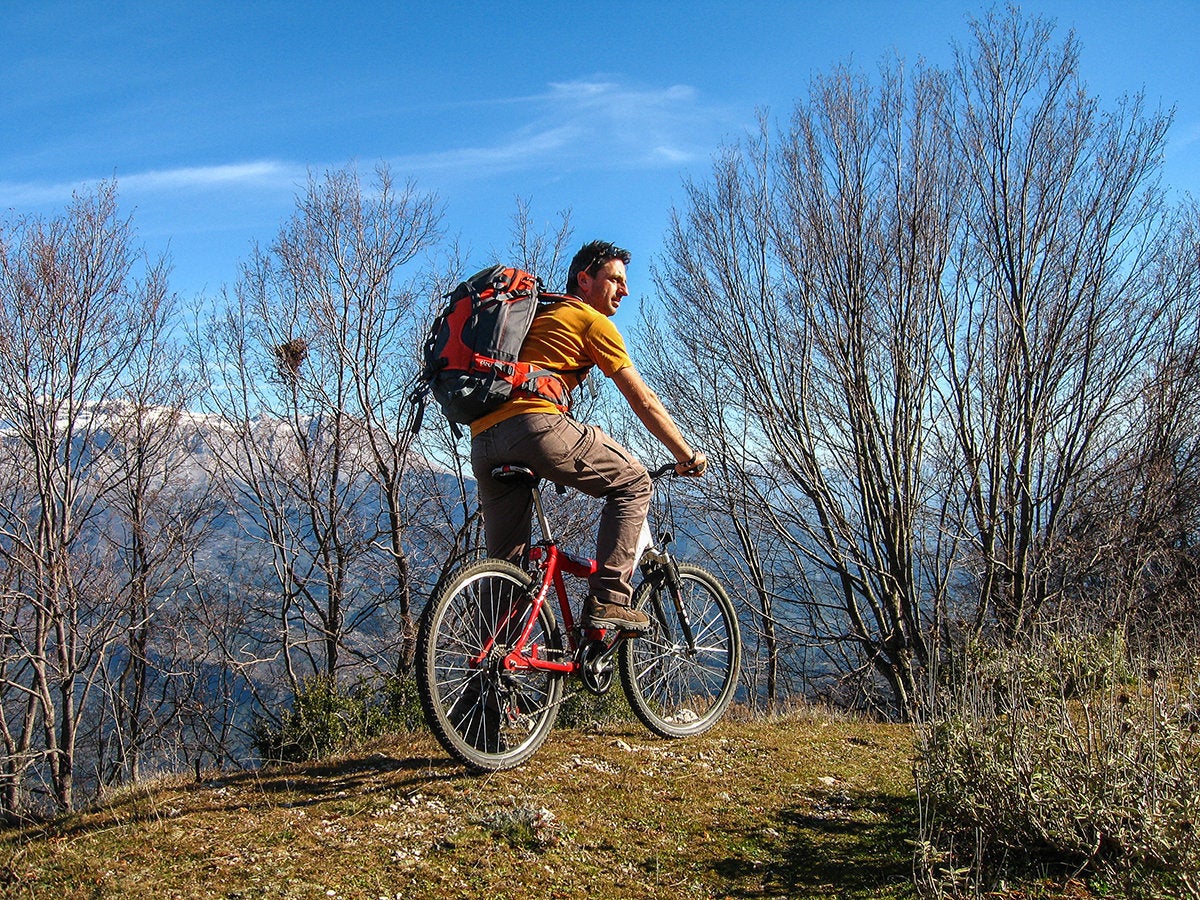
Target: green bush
1083 664
325 718
1093 772
1064 667
584 710
402 704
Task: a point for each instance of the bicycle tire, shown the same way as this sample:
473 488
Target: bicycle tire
486 717
674 693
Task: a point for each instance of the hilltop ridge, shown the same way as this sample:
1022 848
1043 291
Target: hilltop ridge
785 808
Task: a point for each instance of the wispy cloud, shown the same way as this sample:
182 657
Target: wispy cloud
259 174
1184 138
599 123
612 95
21 194
640 126
515 151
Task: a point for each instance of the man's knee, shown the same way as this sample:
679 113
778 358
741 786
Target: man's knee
643 485
635 489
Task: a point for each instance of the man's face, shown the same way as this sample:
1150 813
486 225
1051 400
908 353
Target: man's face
604 290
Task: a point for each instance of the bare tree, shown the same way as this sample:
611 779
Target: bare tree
82 324
938 300
545 251
1051 311
309 367
159 517
1131 562
821 260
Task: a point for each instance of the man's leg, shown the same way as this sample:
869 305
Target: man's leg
507 508
626 502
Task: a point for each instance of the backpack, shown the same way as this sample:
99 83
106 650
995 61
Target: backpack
470 359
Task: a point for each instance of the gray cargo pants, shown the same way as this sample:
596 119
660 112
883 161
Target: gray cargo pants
559 449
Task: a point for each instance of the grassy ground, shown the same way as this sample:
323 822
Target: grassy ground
752 810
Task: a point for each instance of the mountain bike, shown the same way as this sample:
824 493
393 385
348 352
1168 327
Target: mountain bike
492 657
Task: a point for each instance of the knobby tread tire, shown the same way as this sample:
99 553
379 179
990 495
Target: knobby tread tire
487 718
674 692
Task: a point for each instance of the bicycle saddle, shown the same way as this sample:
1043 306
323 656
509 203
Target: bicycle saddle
521 476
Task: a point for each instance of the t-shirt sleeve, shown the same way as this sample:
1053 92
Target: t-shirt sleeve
606 347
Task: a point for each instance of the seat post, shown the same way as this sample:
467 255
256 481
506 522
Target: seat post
543 522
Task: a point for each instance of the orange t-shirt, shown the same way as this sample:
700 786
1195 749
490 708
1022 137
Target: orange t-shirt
567 337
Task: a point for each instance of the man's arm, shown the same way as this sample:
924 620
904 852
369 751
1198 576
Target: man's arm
649 409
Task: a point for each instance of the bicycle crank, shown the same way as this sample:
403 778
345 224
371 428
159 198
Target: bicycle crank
596 666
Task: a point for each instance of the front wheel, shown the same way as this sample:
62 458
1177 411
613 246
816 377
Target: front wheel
676 686
487 716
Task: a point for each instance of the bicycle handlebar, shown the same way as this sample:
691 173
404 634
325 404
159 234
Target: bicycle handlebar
664 469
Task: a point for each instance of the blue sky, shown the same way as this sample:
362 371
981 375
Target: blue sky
210 115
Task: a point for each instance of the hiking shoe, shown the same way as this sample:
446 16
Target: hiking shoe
620 616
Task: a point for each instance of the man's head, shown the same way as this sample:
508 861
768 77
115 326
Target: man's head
590 258
597 276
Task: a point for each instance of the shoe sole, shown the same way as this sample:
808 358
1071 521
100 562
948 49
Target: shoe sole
620 625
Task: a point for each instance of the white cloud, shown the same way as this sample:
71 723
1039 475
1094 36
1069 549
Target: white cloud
263 174
642 126
519 150
597 123
673 155
20 194
1183 137
611 93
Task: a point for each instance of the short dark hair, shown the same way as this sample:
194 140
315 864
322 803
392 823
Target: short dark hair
590 258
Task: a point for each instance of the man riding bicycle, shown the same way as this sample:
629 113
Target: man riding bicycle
569 337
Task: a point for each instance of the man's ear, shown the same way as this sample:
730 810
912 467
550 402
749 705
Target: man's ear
584 279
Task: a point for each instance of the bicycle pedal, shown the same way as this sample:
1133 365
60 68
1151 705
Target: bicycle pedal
613 634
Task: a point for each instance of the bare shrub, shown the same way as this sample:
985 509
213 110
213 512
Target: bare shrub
1062 762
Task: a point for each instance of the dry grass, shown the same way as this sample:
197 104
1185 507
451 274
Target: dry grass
797 808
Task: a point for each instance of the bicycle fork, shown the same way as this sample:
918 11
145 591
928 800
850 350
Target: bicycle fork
660 566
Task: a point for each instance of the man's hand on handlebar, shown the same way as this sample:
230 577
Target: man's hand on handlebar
693 467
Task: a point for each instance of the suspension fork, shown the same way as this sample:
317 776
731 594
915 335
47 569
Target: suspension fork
665 571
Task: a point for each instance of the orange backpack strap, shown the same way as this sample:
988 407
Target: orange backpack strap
547 384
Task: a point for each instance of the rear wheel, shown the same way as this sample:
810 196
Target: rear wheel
676 687
485 715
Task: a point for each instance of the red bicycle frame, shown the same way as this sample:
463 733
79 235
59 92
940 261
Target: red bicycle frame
553 563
